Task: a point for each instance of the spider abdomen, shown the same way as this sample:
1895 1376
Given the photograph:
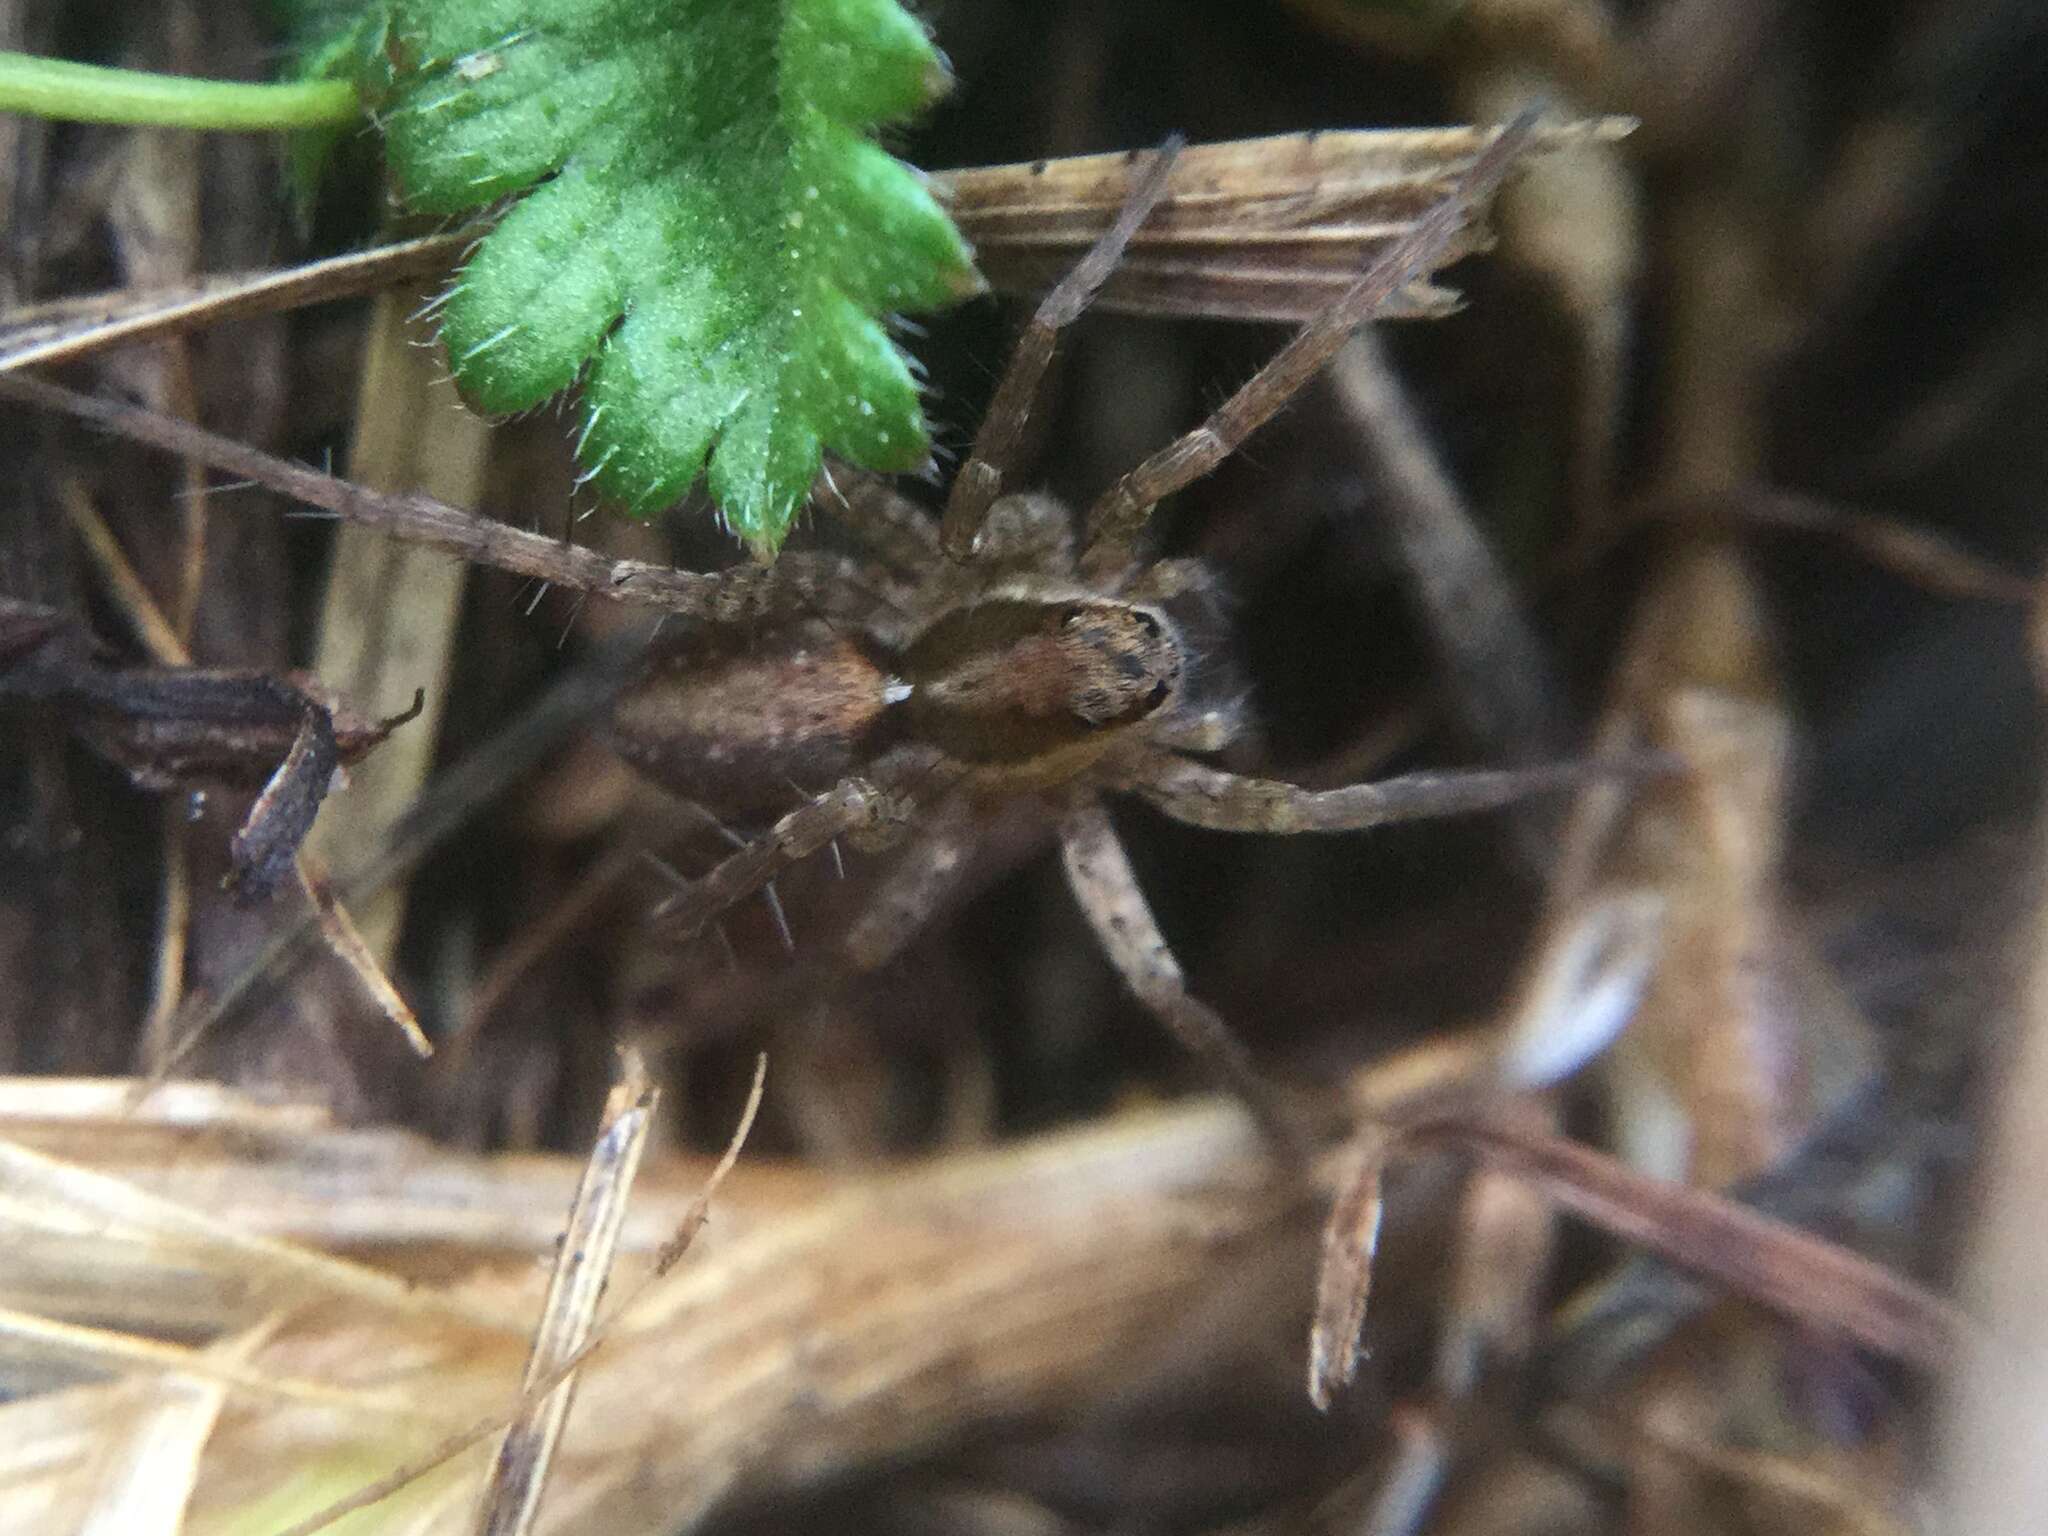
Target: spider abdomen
746 729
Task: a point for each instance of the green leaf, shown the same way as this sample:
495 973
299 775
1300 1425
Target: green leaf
708 234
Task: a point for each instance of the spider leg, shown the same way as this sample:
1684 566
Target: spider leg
1119 515
893 526
823 584
980 480
1208 797
1105 886
904 899
860 808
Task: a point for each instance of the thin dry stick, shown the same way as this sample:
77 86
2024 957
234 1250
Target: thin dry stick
511 1495
346 940
167 972
164 643
126 318
1921 555
671 1253
1502 682
1801 1277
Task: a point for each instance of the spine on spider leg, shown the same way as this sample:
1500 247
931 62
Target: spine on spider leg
851 808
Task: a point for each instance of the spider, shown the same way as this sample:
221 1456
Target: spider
1001 655
1007 649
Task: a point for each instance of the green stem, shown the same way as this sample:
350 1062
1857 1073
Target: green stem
86 93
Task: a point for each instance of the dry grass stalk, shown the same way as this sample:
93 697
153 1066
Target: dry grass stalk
1258 229
825 1323
1994 1479
512 1493
387 625
167 648
1823 1287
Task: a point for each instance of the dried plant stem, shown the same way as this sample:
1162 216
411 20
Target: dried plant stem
167 648
1994 1479
387 625
84 327
583 1266
1819 1284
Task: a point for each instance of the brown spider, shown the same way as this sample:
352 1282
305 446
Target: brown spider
995 653
997 658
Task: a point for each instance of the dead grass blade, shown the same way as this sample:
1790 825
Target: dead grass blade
1993 1475
824 1322
1271 229
59 1195
1257 229
389 616
347 942
75 328
146 1489
512 1493
535 1422
103 1350
1799 1276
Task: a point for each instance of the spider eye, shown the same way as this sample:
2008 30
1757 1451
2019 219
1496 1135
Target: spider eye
1146 622
1072 615
1157 696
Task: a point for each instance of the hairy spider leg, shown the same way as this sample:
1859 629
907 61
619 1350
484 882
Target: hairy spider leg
890 524
1208 797
1106 888
1120 514
1001 434
800 583
868 808
903 900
